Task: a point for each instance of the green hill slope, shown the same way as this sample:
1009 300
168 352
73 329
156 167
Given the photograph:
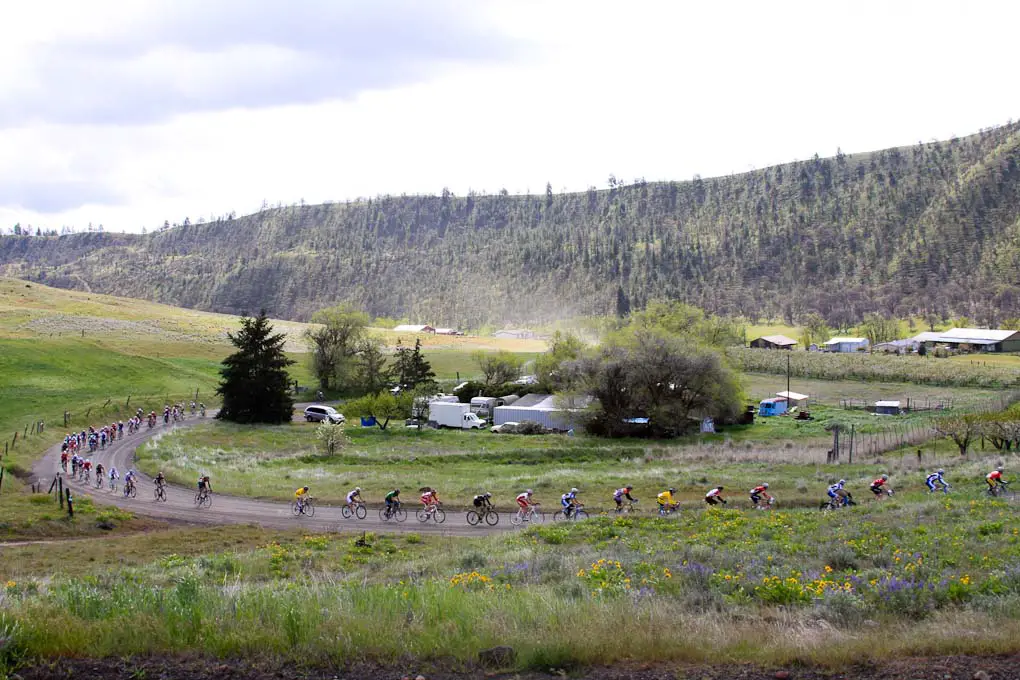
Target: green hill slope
933 228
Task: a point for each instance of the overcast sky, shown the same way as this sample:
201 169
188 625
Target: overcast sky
128 113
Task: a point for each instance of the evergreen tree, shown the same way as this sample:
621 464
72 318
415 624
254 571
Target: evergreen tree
255 385
411 367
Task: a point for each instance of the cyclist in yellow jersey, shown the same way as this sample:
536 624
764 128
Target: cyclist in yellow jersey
666 500
300 495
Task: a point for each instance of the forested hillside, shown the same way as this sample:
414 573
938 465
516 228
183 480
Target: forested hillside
933 228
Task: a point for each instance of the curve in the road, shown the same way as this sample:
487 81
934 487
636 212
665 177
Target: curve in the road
226 509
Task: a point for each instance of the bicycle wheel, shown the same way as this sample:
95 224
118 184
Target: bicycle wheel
360 512
400 514
159 493
207 500
537 516
345 512
580 514
492 518
134 492
309 509
439 515
472 518
559 515
385 516
295 508
422 515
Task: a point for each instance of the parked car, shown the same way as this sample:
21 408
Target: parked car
317 414
507 428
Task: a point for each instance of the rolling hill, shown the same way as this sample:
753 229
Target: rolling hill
932 229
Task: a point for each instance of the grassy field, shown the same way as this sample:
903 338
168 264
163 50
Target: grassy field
917 575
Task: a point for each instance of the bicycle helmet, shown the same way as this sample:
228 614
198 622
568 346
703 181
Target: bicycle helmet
396 491
998 469
574 490
765 484
721 488
842 482
527 491
628 487
885 476
306 488
941 471
488 495
672 490
357 489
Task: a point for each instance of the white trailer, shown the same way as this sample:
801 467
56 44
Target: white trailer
450 414
483 406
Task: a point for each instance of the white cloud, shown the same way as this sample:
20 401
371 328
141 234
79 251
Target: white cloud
643 89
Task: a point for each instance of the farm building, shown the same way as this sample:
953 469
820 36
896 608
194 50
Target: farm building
888 408
897 346
447 331
794 399
773 342
515 333
846 345
544 409
413 328
979 339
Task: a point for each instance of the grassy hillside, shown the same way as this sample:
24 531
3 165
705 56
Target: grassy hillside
932 229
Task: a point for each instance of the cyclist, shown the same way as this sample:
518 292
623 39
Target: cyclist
160 480
524 502
87 466
620 494
838 493
994 479
878 486
353 496
568 501
936 478
204 485
114 476
392 501
482 503
299 496
429 498
759 492
714 497
100 472
667 502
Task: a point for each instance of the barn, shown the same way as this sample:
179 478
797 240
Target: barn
773 342
840 344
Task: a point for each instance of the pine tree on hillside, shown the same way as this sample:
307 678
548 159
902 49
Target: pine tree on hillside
255 385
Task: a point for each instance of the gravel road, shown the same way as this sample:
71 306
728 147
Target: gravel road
180 501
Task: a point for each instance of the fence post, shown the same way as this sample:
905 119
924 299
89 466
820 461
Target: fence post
1 476
70 503
852 430
60 491
14 442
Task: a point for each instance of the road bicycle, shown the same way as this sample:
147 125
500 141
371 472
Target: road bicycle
626 507
304 506
1001 490
669 509
431 511
576 512
130 490
203 498
353 510
483 514
395 512
766 505
532 514
99 481
159 493
837 504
